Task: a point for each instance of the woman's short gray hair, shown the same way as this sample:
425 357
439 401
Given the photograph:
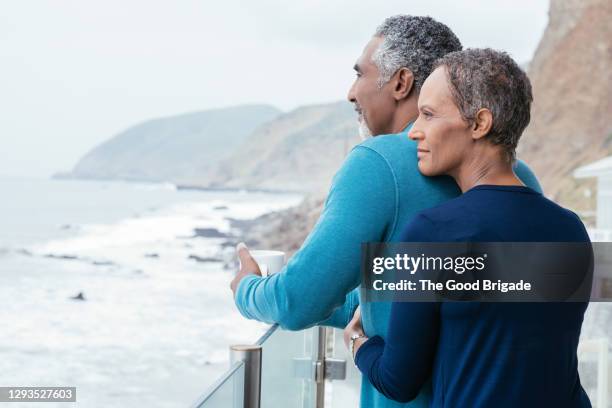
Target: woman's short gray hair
485 78
412 42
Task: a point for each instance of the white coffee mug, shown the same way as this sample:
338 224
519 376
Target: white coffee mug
270 262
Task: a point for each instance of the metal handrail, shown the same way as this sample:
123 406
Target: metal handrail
218 384
266 335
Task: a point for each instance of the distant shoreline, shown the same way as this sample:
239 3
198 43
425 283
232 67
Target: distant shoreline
178 186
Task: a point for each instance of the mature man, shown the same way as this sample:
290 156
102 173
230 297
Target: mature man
376 192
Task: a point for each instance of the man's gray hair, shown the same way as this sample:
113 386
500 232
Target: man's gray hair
412 42
485 78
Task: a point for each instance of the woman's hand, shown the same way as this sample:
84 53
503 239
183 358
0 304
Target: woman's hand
354 327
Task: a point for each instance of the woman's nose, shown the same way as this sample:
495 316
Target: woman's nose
415 134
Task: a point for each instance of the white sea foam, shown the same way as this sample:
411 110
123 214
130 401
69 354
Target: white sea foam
162 230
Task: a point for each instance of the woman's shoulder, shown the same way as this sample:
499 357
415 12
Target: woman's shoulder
564 219
427 224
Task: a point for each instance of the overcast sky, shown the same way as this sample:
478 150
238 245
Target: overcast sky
74 73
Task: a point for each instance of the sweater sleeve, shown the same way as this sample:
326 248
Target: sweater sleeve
361 207
401 365
343 314
524 173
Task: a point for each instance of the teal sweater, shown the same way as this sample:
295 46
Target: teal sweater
375 193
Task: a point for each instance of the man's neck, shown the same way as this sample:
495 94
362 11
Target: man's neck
403 124
405 114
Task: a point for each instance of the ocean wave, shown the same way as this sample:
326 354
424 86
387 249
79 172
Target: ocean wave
7 251
129 243
69 257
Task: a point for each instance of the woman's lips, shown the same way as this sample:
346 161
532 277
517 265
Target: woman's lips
421 152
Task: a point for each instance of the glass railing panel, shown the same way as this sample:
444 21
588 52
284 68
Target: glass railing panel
594 367
342 393
227 392
286 376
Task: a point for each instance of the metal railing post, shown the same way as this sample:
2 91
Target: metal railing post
319 357
251 356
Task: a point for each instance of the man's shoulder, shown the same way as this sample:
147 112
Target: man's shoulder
383 161
396 156
396 149
389 143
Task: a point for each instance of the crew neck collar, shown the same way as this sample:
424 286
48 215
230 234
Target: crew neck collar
495 187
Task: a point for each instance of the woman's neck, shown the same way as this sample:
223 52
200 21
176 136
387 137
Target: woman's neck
485 169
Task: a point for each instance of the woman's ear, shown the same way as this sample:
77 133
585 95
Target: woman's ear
404 81
483 121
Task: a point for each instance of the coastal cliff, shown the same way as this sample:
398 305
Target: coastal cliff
571 74
177 149
298 151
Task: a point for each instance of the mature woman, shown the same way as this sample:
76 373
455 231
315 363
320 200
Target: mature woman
472 111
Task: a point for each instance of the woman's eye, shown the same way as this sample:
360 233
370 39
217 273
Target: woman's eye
426 114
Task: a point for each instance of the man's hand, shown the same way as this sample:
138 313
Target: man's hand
248 266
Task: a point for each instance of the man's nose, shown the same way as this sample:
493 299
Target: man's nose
351 94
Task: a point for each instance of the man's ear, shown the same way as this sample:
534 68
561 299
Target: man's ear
403 83
483 121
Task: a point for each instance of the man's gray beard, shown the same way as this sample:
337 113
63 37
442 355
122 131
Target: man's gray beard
364 131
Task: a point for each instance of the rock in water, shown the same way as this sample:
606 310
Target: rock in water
79 296
208 233
203 258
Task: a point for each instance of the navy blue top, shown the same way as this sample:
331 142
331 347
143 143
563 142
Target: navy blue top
484 354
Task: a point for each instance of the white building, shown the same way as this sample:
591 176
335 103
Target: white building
601 169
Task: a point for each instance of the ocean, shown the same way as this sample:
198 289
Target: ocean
157 316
